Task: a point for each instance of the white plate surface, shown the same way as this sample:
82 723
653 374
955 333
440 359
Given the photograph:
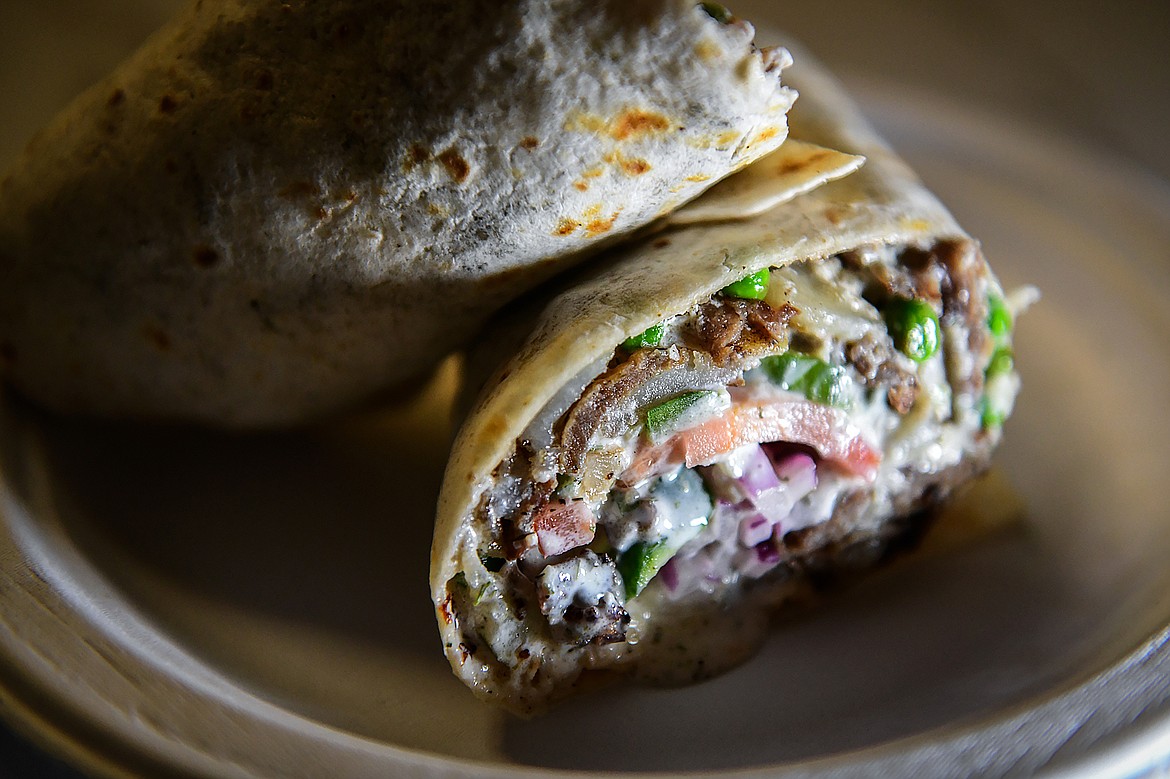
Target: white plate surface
257 605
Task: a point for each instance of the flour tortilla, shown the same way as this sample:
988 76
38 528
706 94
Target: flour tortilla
545 348
546 352
275 210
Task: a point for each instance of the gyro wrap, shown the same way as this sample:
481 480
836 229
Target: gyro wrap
676 441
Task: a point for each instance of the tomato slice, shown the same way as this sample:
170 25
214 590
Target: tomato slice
824 428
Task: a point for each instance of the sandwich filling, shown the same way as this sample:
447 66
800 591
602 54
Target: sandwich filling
788 426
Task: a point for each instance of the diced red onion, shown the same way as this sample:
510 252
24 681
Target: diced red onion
683 575
798 471
763 488
774 485
757 561
758 474
704 564
669 575
776 504
754 528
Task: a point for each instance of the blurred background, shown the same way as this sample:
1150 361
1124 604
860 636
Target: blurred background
1097 74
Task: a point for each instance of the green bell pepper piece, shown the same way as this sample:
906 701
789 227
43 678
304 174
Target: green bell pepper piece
914 328
753 287
651 336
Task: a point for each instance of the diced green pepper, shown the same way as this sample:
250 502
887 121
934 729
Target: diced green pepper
662 418
998 390
1001 362
651 336
815 379
914 328
459 582
565 486
994 408
717 12
989 416
638 565
683 507
753 287
999 319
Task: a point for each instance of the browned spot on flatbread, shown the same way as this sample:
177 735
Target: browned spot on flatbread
601 224
566 226
157 336
661 243
835 215
767 133
800 163
529 143
417 154
580 185
457 167
170 165
707 51
636 122
635 167
265 80
727 138
167 104
495 426
205 256
117 98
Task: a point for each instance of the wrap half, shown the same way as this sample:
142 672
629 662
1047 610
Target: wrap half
276 209
689 435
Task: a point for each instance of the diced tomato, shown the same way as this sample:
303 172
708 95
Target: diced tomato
563 525
822 427
652 461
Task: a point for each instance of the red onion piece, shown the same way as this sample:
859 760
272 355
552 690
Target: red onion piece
668 574
754 528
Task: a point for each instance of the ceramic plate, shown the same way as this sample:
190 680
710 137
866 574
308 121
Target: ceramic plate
256 605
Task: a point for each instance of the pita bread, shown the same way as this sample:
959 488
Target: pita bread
275 210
